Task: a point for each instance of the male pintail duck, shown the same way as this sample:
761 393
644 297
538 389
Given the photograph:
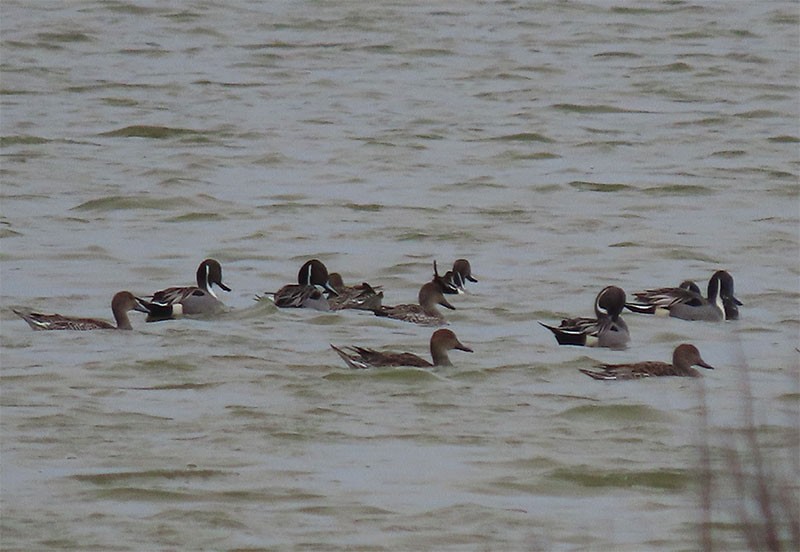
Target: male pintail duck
425 313
175 302
608 329
312 279
121 303
441 342
687 303
683 358
455 280
362 296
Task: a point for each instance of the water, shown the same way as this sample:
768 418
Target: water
560 147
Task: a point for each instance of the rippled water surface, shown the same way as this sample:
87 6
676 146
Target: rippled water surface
560 146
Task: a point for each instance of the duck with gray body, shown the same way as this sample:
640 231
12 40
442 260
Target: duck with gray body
175 302
441 341
608 329
121 303
312 281
687 303
683 358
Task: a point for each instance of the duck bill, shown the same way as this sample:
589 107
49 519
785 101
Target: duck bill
223 286
461 347
447 287
471 279
330 288
705 365
141 305
443 302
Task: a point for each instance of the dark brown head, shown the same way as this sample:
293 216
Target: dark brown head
729 301
314 273
463 268
210 273
336 282
609 302
445 283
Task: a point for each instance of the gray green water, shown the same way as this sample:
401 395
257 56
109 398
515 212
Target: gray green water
559 146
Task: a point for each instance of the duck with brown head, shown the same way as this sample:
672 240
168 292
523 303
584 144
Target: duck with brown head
121 303
441 341
424 312
683 358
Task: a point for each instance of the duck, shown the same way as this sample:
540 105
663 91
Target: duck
425 312
608 329
121 303
687 303
684 357
174 302
442 341
454 280
312 280
361 296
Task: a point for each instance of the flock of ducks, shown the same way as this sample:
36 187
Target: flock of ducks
320 290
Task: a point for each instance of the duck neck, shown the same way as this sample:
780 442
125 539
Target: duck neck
123 322
440 357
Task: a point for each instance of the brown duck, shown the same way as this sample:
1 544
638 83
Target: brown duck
441 342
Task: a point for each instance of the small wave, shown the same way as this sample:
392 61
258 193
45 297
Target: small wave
618 412
586 186
593 108
121 203
666 479
147 131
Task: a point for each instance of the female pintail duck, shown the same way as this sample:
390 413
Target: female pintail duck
687 303
362 296
608 329
174 302
683 358
454 281
441 342
121 303
312 279
425 313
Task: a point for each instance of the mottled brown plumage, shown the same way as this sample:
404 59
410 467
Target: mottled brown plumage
441 342
683 358
425 313
121 303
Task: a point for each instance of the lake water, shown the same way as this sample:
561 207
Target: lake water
560 146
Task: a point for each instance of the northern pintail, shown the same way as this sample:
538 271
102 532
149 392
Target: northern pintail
608 329
441 342
174 302
362 296
121 303
425 313
686 302
683 358
455 280
312 279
